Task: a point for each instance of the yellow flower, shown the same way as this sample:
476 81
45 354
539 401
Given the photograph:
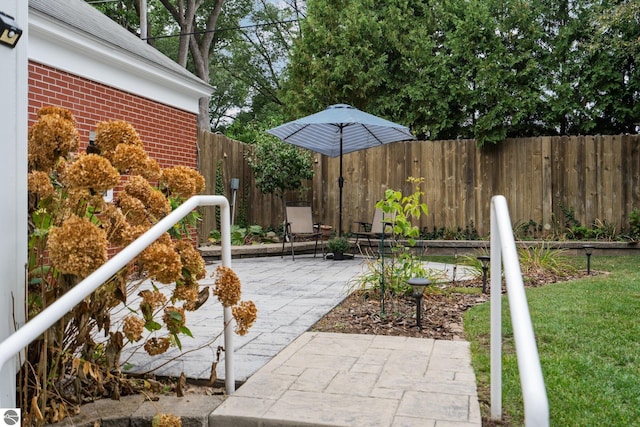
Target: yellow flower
59 111
114 224
132 232
151 301
78 199
77 247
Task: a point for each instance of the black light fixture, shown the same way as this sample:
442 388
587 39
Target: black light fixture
484 260
9 31
588 249
418 285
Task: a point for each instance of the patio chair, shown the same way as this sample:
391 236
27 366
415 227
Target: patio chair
299 224
373 229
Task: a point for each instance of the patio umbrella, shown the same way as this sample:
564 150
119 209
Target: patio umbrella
338 130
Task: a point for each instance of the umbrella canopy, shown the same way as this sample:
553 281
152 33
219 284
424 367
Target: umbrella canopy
338 130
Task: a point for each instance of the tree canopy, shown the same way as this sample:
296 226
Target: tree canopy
483 69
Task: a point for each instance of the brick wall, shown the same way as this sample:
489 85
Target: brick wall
169 135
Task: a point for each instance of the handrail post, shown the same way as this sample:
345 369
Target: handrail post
21 338
496 319
225 234
504 255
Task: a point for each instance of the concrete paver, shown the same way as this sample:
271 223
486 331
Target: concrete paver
290 296
294 377
358 380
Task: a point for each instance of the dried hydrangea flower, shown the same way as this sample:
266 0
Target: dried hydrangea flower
165 239
114 224
151 170
39 183
77 247
78 199
166 420
110 134
227 286
132 232
186 292
133 328
50 138
93 172
245 315
139 188
55 110
191 259
133 209
158 206
130 159
151 301
161 262
155 346
182 181
174 319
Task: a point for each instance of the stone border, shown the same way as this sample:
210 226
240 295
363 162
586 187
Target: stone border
433 247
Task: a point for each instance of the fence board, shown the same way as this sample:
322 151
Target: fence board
597 176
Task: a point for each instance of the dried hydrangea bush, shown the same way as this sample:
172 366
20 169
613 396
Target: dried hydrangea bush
72 231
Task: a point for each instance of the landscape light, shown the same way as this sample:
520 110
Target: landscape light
418 285
588 249
484 259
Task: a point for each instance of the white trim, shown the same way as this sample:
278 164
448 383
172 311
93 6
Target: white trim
54 44
13 192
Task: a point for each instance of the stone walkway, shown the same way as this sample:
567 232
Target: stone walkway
294 377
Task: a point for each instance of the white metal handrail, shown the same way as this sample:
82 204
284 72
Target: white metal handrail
536 406
21 338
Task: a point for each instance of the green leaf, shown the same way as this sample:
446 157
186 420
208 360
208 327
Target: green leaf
186 331
152 326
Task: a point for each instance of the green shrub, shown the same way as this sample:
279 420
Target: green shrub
393 271
338 245
537 260
634 223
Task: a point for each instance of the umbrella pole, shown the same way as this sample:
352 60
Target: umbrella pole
340 185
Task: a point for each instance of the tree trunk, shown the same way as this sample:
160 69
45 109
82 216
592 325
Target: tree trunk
203 116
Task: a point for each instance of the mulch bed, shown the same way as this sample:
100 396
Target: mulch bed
441 314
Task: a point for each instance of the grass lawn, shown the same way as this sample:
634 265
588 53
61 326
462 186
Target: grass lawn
588 337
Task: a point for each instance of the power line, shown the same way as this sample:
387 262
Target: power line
242 27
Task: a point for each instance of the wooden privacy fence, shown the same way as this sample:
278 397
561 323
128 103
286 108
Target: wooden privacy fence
596 176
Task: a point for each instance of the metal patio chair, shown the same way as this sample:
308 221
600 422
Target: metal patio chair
299 225
373 229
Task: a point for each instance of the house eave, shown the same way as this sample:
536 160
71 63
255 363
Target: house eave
65 48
